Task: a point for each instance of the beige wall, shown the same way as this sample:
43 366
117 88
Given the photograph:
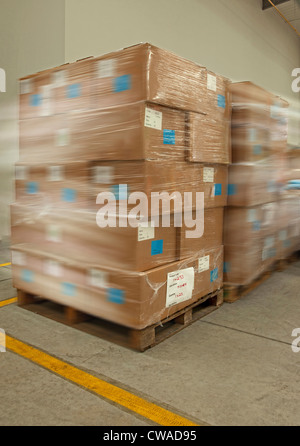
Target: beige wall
231 37
31 39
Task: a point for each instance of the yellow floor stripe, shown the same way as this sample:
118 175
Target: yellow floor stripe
5 264
102 388
3 303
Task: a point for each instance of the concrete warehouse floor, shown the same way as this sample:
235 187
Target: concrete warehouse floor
233 367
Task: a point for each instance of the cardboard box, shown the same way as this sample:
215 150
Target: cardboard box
135 300
250 144
209 139
151 177
77 234
212 233
243 264
251 184
243 226
144 72
35 97
128 132
62 185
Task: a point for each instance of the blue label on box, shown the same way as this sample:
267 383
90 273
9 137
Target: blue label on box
256 225
116 296
157 247
218 189
231 189
221 101
35 100
257 149
169 137
27 275
73 91
120 191
226 267
68 195
68 289
122 83
214 274
32 187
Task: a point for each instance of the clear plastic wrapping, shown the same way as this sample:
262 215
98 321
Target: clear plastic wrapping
133 299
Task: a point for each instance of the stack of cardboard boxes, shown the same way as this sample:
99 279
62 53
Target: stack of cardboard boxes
250 220
94 135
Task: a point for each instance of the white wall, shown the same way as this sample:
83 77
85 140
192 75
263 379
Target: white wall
32 39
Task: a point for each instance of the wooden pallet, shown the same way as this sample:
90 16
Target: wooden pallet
282 264
233 293
140 340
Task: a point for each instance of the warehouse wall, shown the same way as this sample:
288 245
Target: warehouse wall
32 39
232 37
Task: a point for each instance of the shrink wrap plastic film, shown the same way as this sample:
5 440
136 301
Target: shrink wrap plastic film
133 299
95 134
137 103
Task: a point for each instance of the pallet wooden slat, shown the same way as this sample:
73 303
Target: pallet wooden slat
140 340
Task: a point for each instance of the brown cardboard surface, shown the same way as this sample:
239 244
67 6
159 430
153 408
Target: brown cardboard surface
77 234
135 300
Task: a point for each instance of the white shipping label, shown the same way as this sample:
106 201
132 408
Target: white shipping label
269 242
252 135
180 285
55 173
26 86
18 258
153 119
53 233
21 173
211 82
62 137
283 235
46 108
203 264
145 232
251 215
53 268
107 68
208 175
59 78
103 174
98 278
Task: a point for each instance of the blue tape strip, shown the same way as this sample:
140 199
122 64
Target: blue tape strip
214 274
32 187
218 189
35 100
226 267
157 247
169 137
120 191
256 225
69 289
122 83
116 296
73 91
68 195
257 149
221 101
231 189
27 276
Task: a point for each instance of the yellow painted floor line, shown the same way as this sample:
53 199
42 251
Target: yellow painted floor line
102 388
5 264
3 303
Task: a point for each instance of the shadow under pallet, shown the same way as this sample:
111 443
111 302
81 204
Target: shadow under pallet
139 340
